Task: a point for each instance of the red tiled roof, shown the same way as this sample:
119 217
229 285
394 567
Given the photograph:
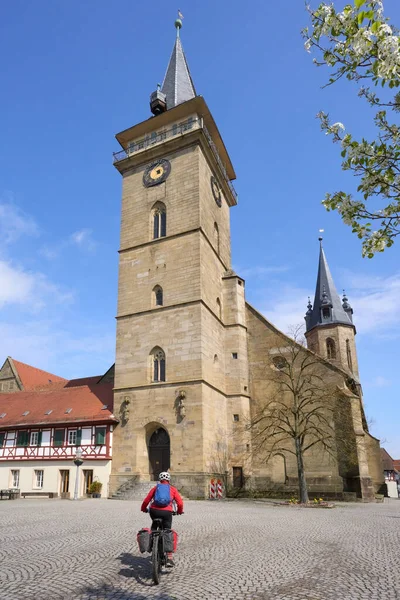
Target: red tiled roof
396 464
387 460
83 381
32 378
86 404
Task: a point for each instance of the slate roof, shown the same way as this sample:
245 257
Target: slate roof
178 84
85 401
326 285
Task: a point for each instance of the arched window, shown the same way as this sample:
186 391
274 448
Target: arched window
219 309
348 352
159 213
216 237
158 360
158 298
331 348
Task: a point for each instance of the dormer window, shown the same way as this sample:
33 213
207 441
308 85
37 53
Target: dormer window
326 313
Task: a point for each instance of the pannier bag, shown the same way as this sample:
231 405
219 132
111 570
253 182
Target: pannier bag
170 540
144 540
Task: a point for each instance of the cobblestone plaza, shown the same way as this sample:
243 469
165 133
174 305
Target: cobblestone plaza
238 550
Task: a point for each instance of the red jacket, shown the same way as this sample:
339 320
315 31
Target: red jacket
174 496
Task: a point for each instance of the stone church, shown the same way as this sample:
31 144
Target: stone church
192 356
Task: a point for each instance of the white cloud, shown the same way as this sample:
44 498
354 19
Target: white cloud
31 291
379 382
15 223
82 239
260 271
374 301
286 307
46 345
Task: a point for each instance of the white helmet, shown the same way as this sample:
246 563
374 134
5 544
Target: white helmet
164 476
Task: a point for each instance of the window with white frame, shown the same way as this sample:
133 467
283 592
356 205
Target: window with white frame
15 478
38 481
72 437
34 438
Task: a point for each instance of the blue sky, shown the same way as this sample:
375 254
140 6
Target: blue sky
76 73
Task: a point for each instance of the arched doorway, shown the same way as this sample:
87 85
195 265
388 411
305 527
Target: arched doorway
159 452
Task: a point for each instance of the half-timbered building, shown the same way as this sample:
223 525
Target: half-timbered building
44 419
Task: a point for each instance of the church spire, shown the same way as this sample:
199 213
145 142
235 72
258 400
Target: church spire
178 85
327 309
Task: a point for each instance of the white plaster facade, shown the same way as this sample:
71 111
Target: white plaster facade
52 475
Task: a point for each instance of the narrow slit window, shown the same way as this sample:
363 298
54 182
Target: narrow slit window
158 296
159 221
349 358
331 348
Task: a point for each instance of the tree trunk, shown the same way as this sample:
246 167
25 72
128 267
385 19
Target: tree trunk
300 472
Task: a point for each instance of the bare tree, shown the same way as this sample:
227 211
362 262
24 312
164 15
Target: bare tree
228 448
302 410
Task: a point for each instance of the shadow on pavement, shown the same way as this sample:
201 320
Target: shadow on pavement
112 592
138 567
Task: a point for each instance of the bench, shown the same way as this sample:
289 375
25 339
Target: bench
39 494
9 494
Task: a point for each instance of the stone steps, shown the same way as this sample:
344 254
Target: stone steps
133 490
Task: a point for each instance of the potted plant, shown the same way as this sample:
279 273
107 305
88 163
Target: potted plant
95 489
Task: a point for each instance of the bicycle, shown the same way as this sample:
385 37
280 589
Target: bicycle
158 553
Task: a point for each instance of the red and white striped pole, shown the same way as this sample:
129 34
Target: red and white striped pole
219 489
213 489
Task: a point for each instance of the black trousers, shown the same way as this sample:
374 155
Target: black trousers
164 515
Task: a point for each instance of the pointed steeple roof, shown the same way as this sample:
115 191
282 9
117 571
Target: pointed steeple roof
327 308
178 84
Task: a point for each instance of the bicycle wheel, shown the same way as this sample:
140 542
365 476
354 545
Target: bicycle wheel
155 559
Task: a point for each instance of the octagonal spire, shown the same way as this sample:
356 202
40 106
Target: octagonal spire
178 85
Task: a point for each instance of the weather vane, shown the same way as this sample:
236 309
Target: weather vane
321 231
178 22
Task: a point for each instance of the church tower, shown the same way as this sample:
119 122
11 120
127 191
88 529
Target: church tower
330 331
181 372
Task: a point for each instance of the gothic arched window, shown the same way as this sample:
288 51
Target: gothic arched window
159 213
158 360
330 348
158 297
216 237
348 352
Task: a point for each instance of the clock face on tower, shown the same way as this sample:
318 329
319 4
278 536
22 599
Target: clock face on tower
216 191
157 172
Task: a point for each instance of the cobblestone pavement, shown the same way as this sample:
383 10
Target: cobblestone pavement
240 550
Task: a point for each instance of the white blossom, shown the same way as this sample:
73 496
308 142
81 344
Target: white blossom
385 28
